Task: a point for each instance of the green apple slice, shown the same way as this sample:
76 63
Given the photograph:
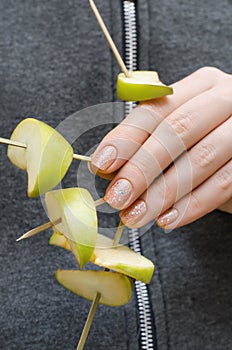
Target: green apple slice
47 156
115 288
124 260
141 86
75 208
59 240
121 259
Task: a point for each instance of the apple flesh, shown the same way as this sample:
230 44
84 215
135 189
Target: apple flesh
141 86
121 258
75 208
47 156
59 240
124 260
115 288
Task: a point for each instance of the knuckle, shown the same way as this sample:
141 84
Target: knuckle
222 92
213 74
181 123
204 155
157 108
154 110
223 179
209 71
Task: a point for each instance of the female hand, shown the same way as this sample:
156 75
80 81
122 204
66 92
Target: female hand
173 155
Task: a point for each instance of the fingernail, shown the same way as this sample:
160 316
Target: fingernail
103 159
167 218
135 213
119 193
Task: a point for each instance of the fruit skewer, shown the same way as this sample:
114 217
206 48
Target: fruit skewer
23 145
108 254
50 224
133 85
97 298
43 152
119 231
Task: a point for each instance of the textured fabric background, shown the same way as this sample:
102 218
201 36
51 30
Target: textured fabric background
54 61
192 287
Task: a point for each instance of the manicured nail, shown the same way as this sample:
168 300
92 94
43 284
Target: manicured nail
167 218
119 193
103 159
135 213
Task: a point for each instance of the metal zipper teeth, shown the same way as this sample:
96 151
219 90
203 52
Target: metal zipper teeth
146 327
145 316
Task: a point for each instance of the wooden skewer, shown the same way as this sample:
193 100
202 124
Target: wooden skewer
23 145
49 224
36 230
80 157
97 297
99 201
12 143
89 321
118 234
109 39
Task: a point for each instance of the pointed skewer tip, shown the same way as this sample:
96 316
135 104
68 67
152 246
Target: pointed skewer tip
38 229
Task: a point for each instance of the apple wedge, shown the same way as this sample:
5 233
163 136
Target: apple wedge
59 240
75 208
141 86
115 288
124 260
47 156
121 258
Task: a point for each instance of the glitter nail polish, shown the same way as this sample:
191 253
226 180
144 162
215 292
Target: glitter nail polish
103 159
167 218
119 193
135 213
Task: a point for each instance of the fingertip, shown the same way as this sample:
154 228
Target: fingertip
133 216
103 158
168 219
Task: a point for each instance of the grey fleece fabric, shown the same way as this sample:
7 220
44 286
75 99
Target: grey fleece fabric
54 61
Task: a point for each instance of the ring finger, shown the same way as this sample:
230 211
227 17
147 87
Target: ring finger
188 172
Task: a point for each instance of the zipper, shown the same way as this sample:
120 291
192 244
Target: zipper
145 316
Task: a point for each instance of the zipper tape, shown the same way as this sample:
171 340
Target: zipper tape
146 319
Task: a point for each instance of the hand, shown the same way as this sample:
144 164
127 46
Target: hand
173 155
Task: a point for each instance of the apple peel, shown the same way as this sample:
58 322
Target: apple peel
46 158
141 86
76 209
